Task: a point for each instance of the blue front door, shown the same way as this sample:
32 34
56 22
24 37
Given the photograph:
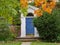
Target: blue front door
29 26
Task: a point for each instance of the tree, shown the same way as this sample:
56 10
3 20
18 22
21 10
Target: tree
42 5
8 9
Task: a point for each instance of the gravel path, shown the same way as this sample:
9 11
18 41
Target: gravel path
26 43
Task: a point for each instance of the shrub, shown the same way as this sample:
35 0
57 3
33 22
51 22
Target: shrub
17 24
5 33
57 13
58 4
16 19
47 26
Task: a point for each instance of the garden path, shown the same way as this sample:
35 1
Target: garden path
26 43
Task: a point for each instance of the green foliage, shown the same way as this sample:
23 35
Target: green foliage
8 9
17 30
57 13
58 4
16 20
47 26
10 43
24 11
17 23
43 43
5 33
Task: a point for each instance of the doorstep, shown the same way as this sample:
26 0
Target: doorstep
27 39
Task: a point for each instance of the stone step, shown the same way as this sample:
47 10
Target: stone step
27 39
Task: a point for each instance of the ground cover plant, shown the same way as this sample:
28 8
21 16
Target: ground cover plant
10 43
44 43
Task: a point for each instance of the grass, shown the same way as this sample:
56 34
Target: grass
44 43
10 43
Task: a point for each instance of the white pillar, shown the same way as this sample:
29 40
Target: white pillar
36 33
23 26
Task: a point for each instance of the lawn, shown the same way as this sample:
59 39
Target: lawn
11 43
44 43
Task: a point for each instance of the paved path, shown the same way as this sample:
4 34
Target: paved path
26 43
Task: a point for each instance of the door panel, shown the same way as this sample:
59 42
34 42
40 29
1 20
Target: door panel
29 26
